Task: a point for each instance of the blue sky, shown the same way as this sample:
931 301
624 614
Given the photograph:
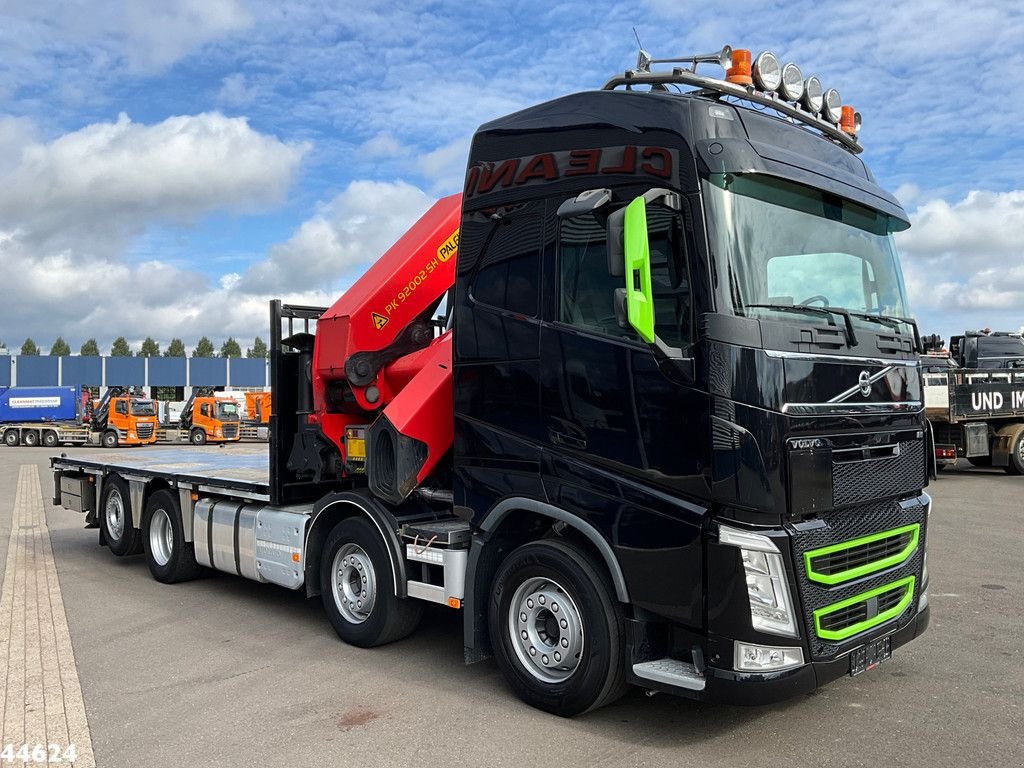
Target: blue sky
167 166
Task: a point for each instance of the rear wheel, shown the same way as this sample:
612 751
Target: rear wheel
116 519
31 438
110 439
358 589
1015 466
169 557
556 628
51 439
11 438
198 437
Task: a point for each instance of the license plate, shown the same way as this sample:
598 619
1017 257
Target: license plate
869 656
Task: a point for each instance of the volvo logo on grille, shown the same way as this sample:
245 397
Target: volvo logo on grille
864 382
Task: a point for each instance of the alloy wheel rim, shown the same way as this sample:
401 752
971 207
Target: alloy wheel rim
161 537
354 583
546 629
115 514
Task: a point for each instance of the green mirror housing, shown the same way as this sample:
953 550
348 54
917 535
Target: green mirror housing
637 255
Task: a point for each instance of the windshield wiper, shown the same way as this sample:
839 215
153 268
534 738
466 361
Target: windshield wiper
851 335
893 322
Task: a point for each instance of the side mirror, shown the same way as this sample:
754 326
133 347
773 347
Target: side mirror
637 251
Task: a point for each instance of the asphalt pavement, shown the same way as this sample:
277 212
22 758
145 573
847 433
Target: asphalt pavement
226 672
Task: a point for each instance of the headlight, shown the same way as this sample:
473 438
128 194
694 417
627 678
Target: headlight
812 97
767 71
131 435
765 658
771 609
792 86
832 106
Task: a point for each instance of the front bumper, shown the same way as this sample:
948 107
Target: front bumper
729 687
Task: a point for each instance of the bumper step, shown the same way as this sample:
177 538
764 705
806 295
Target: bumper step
680 674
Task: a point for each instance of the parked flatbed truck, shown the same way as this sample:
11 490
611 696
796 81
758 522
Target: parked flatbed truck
669 432
978 415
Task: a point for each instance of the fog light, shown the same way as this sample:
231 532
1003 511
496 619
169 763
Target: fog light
922 601
765 658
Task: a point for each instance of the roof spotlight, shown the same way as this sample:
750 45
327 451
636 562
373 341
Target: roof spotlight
856 122
812 97
767 71
832 107
792 86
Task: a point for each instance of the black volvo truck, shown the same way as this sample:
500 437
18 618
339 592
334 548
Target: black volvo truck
686 447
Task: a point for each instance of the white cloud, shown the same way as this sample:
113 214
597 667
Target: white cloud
147 35
114 179
352 230
964 263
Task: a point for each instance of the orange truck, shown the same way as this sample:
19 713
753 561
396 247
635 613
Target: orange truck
258 407
208 418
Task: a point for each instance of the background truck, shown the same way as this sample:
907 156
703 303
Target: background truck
976 414
995 349
668 431
209 418
53 416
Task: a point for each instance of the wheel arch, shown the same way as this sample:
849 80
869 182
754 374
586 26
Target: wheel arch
330 511
497 537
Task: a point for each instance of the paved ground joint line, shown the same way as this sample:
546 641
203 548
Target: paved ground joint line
42 701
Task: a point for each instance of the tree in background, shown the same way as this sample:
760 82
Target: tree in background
120 348
175 349
90 349
230 348
59 348
258 349
29 348
204 348
149 348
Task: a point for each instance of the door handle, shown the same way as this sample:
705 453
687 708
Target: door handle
560 438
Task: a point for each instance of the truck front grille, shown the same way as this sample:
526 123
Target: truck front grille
863 611
144 431
849 560
856 534
230 431
855 481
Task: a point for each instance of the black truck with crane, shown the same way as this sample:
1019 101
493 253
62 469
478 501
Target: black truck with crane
667 432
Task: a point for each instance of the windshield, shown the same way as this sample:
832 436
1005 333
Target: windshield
143 408
227 411
779 247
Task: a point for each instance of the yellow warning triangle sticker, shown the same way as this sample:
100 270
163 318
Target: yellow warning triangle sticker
379 321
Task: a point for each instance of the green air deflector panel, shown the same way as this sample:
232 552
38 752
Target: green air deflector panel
853 559
862 612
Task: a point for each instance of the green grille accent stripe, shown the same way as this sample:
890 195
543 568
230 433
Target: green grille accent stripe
907 585
863 570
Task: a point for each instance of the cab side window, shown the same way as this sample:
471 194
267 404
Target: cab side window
587 290
122 407
205 409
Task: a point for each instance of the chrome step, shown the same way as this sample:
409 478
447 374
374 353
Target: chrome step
680 674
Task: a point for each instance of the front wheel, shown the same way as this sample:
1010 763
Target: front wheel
110 439
556 628
1015 466
198 437
358 589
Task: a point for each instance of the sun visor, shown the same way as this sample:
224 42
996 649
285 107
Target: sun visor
725 155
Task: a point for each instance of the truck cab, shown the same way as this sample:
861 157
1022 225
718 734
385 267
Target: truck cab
994 350
130 420
208 418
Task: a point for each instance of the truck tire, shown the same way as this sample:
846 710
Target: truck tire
121 535
170 558
557 628
358 589
197 437
51 439
1015 466
110 439
30 438
11 438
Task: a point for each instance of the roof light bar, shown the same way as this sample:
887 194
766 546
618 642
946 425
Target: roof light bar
762 80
